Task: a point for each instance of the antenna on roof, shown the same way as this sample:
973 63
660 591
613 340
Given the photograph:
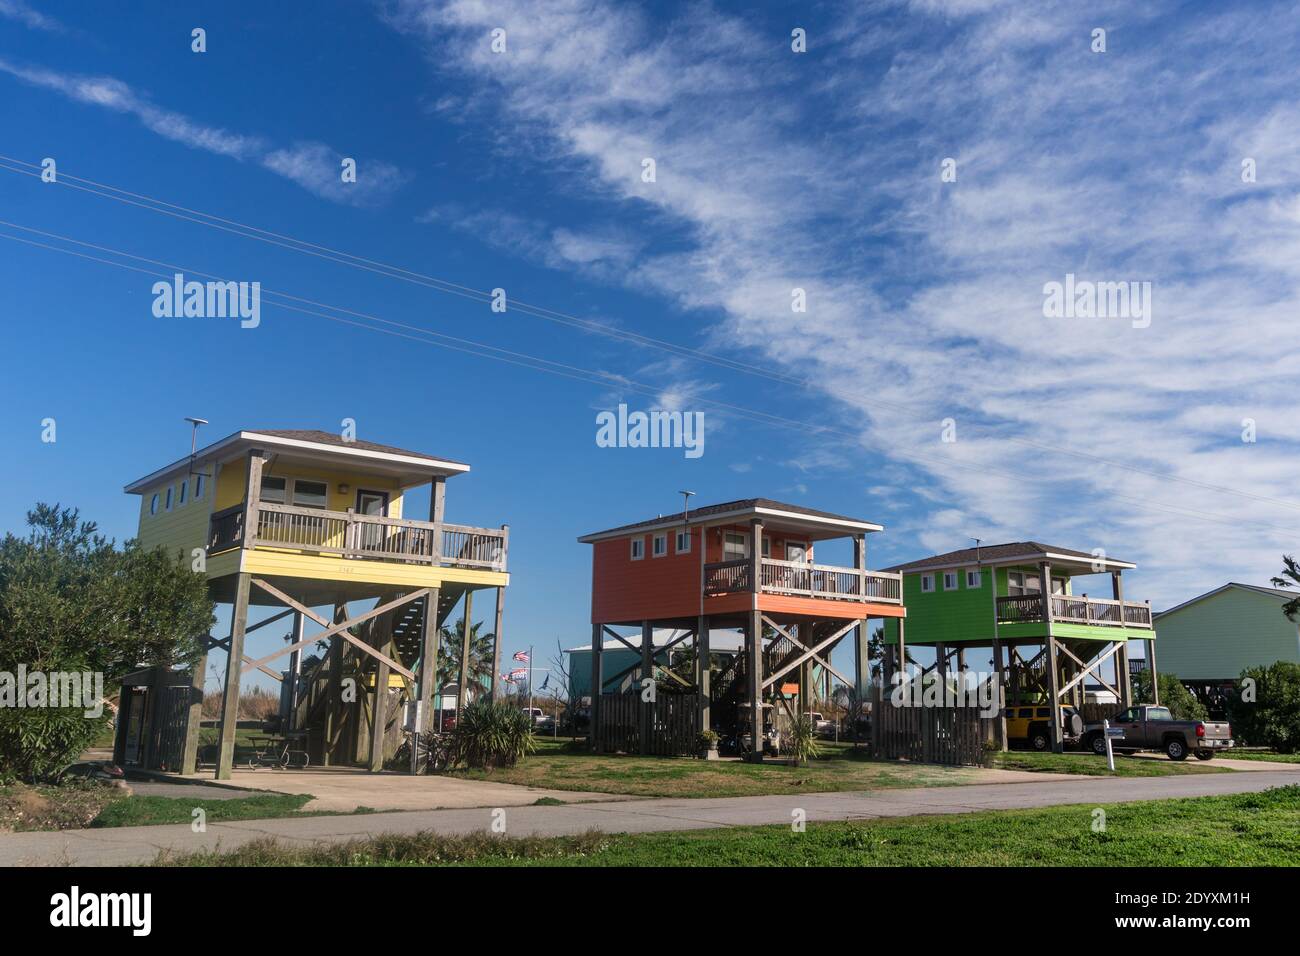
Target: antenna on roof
686 506
194 437
977 549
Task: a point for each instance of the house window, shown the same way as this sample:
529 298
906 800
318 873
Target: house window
734 546
973 579
950 580
638 549
310 494
1023 584
153 505
185 490
198 487
659 545
274 490
683 543
927 583
767 547
168 505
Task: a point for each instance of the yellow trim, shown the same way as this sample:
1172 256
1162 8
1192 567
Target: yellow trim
322 567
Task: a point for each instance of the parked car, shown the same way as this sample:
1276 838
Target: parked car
536 714
1147 727
820 725
1030 723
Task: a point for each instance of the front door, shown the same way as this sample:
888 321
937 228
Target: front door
374 504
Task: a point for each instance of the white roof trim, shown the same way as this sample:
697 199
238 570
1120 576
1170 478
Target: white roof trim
1267 592
430 465
727 517
1021 559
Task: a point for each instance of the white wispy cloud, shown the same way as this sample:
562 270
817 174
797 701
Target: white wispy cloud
925 298
28 16
313 166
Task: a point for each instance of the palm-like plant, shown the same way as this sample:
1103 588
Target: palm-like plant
482 647
1290 578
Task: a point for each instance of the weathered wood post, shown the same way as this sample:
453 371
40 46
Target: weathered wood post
496 642
462 686
703 663
1053 671
193 720
594 715
382 629
334 689
754 644
427 680
647 674
234 664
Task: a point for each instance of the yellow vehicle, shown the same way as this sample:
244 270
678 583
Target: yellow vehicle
1030 723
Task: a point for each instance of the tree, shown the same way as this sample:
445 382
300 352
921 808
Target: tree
71 601
1182 704
1290 578
1269 715
481 648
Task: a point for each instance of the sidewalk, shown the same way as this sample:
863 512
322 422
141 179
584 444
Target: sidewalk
130 845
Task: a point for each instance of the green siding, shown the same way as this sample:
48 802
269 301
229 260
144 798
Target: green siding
1218 637
951 616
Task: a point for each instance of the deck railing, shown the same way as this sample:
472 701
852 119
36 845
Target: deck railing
1028 608
366 537
801 579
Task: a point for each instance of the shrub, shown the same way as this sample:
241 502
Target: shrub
491 734
706 740
1180 701
803 740
1272 719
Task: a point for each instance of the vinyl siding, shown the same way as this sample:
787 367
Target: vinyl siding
1218 637
183 528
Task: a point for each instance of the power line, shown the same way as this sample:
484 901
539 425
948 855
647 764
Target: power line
153 204
537 363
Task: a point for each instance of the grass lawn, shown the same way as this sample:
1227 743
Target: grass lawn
1257 829
1094 765
149 811
1268 755
558 766
69 806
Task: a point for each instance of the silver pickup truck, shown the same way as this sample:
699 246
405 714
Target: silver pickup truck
1147 727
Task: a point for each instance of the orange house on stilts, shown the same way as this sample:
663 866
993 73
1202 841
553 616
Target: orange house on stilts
747 566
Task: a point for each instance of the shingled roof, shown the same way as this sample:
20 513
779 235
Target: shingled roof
1000 553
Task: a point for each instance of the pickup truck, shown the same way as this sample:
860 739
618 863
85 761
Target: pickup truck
820 725
1147 727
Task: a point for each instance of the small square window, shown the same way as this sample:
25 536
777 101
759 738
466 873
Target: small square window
275 490
660 545
638 549
973 579
683 543
950 580
153 505
185 490
927 583
170 492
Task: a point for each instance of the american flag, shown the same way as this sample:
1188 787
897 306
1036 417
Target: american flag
521 657
507 678
519 674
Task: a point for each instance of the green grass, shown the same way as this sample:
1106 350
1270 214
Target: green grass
1254 829
1093 765
557 765
1269 755
139 811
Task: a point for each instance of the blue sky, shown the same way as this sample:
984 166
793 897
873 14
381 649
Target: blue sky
775 171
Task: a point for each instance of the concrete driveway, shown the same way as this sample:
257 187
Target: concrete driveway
129 845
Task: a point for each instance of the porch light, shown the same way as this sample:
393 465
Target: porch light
343 487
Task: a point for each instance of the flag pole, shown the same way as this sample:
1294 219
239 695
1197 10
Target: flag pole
530 682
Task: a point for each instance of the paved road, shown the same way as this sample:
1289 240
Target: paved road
140 844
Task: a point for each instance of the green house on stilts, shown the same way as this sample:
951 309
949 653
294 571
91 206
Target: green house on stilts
1046 642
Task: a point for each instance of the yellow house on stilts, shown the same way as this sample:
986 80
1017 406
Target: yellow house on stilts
303 521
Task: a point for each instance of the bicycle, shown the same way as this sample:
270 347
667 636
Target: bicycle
433 755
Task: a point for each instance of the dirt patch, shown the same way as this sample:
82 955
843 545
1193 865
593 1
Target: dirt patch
70 806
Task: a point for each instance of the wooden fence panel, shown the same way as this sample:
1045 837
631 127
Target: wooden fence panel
954 736
672 723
